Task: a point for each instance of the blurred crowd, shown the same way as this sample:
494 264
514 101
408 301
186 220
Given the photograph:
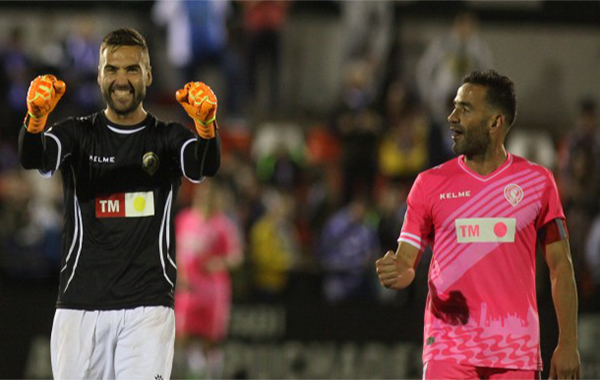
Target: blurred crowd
316 199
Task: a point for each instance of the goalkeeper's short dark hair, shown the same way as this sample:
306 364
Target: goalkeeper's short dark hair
124 37
500 91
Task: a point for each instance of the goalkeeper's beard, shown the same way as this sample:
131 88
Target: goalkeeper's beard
124 110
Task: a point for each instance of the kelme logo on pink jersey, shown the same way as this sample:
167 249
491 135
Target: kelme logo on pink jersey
125 205
513 194
485 230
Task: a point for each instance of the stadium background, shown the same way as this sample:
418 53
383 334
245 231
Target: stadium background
550 49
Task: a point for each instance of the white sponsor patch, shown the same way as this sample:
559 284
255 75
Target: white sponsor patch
485 230
125 205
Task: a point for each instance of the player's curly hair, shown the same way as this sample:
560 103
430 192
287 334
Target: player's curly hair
124 37
500 91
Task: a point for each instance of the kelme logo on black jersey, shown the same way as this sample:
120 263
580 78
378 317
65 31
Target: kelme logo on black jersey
150 163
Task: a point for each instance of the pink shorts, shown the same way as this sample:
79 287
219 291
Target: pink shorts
434 369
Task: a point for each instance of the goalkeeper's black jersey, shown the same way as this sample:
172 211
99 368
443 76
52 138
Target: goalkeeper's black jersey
120 186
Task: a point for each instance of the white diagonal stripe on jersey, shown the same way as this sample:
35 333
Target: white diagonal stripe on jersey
160 238
448 260
75 233
473 258
472 210
80 244
169 205
486 193
500 207
532 188
500 204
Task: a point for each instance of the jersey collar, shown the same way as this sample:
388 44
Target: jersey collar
507 162
126 129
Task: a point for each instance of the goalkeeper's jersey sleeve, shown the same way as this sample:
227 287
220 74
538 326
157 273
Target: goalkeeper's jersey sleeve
481 309
120 186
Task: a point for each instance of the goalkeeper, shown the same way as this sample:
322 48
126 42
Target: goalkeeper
121 169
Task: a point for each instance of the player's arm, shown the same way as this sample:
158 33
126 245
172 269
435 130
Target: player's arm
42 97
397 270
203 157
200 103
565 360
31 149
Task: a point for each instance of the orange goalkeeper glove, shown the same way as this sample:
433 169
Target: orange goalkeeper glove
44 93
200 103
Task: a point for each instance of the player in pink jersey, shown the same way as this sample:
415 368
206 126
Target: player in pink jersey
483 213
208 246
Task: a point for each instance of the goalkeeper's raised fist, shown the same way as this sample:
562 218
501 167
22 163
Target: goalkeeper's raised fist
200 103
44 93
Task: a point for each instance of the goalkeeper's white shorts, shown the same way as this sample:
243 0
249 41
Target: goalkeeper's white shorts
113 344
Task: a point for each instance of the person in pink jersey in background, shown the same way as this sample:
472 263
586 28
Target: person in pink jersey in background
208 247
483 213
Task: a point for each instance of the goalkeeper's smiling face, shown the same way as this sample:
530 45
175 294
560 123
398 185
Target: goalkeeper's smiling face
123 75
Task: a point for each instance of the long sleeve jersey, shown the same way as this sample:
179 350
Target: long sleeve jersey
120 184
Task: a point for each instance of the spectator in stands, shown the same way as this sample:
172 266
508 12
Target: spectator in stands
263 23
346 249
81 69
209 245
535 145
16 68
358 126
368 33
321 178
391 207
279 150
198 42
580 174
447 59
274 246
30 237
404 149
321 200
8 155
592 258
585 134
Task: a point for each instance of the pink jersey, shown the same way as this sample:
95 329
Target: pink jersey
203 307
200 239
481 309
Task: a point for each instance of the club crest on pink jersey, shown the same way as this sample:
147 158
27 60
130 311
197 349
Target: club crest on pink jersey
513 194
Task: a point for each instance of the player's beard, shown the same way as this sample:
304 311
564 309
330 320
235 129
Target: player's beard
124 109
472 141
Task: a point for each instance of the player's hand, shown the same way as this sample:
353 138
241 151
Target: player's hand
389 276
565 363
200 103
44 93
